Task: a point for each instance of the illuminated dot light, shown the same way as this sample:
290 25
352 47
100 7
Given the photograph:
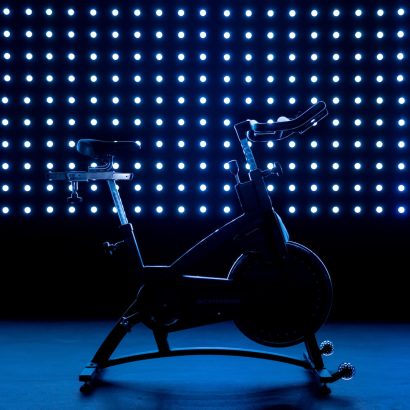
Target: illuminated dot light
207 110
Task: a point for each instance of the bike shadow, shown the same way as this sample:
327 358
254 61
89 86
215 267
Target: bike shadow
128 394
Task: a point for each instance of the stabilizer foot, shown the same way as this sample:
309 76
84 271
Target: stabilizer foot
324 390
89 375
86 388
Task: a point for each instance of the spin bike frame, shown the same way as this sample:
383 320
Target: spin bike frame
258 229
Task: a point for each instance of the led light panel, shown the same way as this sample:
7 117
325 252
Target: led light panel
178 77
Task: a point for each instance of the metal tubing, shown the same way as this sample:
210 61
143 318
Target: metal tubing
117 201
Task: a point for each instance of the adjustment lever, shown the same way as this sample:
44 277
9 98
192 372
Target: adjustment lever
110 248
234 170
276 170
74 199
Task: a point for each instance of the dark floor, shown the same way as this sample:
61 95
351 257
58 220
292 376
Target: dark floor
40 363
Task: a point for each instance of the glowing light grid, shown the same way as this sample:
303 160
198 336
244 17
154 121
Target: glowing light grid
178 78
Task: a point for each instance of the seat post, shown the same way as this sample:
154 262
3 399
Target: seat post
126 227
117 201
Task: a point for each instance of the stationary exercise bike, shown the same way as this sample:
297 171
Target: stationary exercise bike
277 292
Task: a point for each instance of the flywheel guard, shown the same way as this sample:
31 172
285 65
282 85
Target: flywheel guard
284 301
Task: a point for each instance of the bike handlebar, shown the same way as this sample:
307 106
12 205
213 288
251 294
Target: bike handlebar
285 127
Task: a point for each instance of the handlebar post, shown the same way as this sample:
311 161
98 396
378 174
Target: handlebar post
242 131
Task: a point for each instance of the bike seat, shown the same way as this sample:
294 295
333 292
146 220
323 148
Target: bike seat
99 148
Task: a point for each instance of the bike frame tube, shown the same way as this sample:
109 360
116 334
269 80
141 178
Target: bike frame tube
258 229
242 234
126 227
250 232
